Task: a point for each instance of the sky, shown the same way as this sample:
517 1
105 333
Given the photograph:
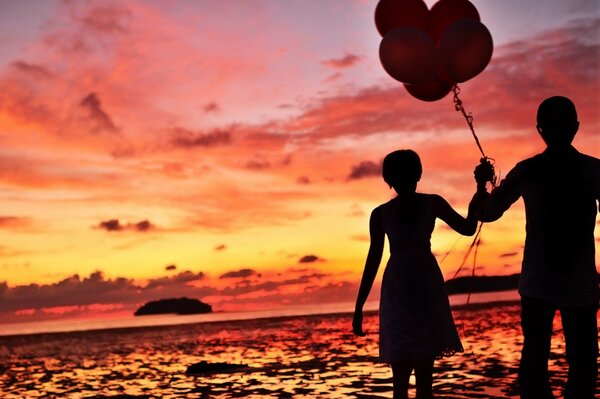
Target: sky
230 150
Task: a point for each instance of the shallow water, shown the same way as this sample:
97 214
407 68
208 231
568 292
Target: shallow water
301 357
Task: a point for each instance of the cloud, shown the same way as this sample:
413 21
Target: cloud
502 98
509 254
115 225
98 120
361 238
9 222
333 77
365 169
170 268
211 107
125 294
303 180
106 19
247 287
310 259
181 279
243 273
220 247
186 138
258 164
36 71
97 289
344 62
356 211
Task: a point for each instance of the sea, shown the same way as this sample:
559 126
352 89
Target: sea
299 352
67 325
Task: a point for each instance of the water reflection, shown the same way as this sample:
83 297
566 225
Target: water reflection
307 357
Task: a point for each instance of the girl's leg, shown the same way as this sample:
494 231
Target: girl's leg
424 377
400 375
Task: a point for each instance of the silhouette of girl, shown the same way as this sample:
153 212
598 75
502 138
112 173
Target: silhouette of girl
415 321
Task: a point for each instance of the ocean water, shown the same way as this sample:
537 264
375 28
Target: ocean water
296 356
169 319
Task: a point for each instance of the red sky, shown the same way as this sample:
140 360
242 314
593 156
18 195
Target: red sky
225 150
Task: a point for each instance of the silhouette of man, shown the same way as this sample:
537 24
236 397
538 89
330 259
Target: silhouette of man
560 189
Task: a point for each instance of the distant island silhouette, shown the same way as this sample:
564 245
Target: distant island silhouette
173 305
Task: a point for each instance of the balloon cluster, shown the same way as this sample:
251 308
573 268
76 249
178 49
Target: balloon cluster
430 51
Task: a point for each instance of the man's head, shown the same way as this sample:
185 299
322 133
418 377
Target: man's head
402 170
557 121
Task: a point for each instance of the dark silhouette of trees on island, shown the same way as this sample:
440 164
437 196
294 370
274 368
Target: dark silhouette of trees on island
179 306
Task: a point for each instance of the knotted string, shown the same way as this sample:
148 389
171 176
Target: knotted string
458 105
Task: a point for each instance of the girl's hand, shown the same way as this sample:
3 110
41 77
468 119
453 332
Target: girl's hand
357 323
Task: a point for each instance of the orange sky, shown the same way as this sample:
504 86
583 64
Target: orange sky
225 150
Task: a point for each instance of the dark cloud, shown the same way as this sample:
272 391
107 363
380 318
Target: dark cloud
144 225
97 119
258 164
33 70
508 254
243 273
111 225
303 180
126 294
365 169
186 138
342 291
309 259
220 247
116 225
211 107
270 285
178 280
344 62
106 19
97 289
170 268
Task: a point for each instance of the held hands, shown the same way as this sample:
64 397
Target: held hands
357 323
484 172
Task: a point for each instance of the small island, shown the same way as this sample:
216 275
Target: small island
181 306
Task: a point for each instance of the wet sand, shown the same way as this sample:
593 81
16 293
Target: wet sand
290 357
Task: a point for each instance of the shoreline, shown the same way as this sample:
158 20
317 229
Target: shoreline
133 329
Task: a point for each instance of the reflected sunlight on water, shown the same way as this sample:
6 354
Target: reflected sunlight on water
302 356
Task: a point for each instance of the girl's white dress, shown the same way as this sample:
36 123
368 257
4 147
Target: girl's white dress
415 320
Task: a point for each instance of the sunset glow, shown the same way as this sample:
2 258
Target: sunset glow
229 151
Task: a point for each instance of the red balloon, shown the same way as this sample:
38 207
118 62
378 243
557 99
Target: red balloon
445 12
408 55
429 91
465 50
390 14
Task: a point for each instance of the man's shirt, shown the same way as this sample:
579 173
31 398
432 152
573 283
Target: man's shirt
561 190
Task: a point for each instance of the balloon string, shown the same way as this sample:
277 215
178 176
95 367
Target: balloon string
474 247
458 105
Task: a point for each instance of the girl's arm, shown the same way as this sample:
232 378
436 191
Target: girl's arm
465 226
371 266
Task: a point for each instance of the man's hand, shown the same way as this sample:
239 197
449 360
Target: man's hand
484 172
357 323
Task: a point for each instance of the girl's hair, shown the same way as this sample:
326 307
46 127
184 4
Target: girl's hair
401 166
